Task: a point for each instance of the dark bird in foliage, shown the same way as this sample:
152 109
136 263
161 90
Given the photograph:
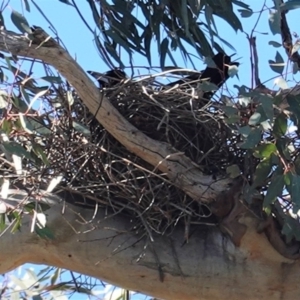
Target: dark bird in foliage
216 75
110 78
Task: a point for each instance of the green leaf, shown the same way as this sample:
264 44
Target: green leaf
295 68
3 99
297 164
229 110
16 149
53 79
27 7
2 20
290 5
117 38
262 171
45 233
39 152
29 207
66 2
294 188
245 130
245 13
223 9
20 104
267 105
20 22
147 43
277 65
233 171
81 128
7 126
280 125
254 119
275 44
55 276
2 221
31 126
282 145
264 150
232 119
163 51
17 223
253 139
274 22
294 105
274 190
290 229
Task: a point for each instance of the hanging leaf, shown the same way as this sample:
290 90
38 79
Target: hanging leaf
20 22
245 130
253 139
277 65
267 105
264 150
245 13
66 2
280 125
81 128
16 149
275 44
53 79
163 51
290 5
262 172
274 190
294 105
294 189
45 233
274 22
254 119
291 229
233 171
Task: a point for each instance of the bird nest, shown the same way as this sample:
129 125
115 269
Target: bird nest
69 144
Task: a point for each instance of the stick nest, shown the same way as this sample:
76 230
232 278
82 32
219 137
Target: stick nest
68 143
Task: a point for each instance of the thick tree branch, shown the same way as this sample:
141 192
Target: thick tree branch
208 267
180 169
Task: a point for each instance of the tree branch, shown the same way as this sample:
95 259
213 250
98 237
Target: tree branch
208 267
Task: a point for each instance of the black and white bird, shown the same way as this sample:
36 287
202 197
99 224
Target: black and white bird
110 78
217 74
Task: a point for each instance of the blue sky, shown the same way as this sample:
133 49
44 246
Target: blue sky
79 41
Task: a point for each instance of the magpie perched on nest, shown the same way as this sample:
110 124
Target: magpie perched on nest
110 78
216 75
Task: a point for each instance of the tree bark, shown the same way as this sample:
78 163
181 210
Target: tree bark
208 267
